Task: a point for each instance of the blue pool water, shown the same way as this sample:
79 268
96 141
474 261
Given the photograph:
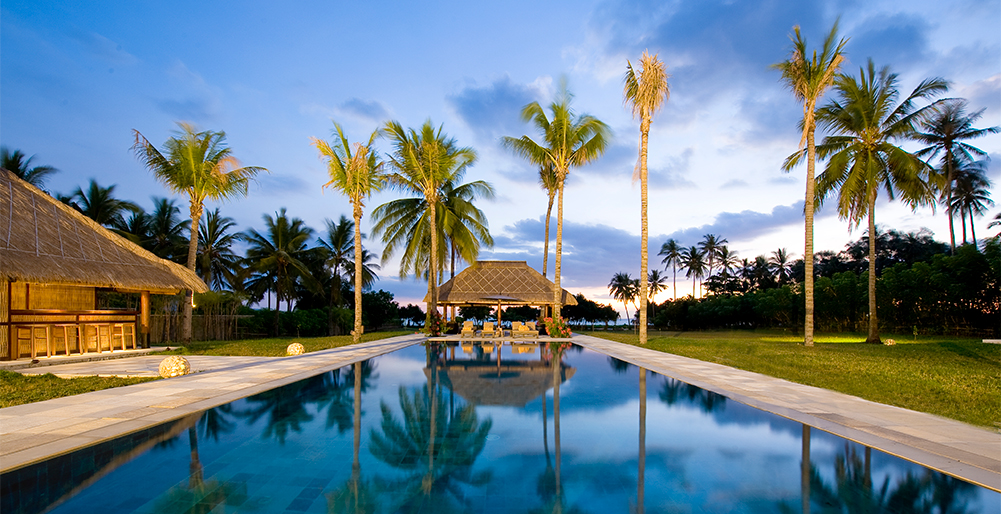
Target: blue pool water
459 430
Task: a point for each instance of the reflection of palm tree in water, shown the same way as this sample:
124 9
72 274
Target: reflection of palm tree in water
355 496
854 492
437 465
674 391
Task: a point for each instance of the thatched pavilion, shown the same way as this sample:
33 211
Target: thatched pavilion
500 283
53 260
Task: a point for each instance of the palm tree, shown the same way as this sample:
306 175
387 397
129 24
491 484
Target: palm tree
16 163
780 266
655 284
971 194
550 182
424 161
337 248
710 246
945 131
729 262
862 157
671 251
99 204
357 175
569 140
279 255
809 78
217 263
166 237
624 289
200 165
646 92
691 259
465 227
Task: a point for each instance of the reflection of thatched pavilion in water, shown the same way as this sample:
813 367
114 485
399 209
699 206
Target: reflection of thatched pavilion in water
53 259
512 383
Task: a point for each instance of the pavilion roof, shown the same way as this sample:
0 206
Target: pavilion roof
43 240
493 282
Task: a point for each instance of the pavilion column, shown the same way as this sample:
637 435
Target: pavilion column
144 318
6 349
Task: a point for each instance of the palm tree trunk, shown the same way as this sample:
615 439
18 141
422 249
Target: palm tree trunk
973 231
962 216
948 195
545 255
558 294
873 337
811 151
644 284
358 329
674 268
432 262
196 214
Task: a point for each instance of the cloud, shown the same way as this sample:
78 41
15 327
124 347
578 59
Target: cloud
494 110
985 94
734 184
747 225
199 100
369 110
103 48
672 175
898 39
782 180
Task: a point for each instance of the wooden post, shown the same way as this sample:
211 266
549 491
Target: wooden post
6 330
144 318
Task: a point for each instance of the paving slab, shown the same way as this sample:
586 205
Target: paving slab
39 431
955 448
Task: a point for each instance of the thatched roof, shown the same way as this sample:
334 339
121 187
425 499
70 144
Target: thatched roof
45 241
514 383
493 282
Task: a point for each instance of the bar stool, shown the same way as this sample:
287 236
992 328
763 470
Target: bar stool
66 329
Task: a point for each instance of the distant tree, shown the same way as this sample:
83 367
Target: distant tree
710 247
477 312
780 266
946 131
357 174
624 289
692 260
99 204
16 163
217 262
199 165
971 194
167 231
862 157
337 248
671 251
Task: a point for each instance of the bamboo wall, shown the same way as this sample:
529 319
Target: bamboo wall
4 317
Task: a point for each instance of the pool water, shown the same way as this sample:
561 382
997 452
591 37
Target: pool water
484 429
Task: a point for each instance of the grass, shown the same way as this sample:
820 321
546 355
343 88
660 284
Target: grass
273 347
18 389
958 378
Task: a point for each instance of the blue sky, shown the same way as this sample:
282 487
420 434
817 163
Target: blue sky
76 78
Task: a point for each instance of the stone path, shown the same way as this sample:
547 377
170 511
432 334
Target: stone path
38 431
952 447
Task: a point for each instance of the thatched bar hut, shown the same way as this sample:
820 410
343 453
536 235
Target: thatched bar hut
498 283
52 262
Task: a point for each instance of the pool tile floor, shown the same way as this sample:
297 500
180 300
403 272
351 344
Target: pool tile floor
34 432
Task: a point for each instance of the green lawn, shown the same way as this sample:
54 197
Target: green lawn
274 347
17 389
958 378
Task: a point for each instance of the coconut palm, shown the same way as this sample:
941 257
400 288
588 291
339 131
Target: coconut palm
217 263
809 77
710 247
728 261
20 165
199 165
671 251
862 158
423 161
655 284
357 175
945 131
646 92
624 289
279 254
780 265
971 194
465 227
692 260
569 140
337 248
99 204
166 230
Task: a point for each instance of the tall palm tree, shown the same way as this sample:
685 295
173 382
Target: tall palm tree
279 254
217 263
946 131
569 140
971 194
465 227
20 165
780 265
357 175
692 260
199 165
99 204
423 161
550 182
862 158
710 246
671 251
646 92
809 77
624 289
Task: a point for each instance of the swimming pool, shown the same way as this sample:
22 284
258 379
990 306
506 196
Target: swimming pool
485 429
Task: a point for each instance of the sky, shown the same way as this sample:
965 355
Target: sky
77 77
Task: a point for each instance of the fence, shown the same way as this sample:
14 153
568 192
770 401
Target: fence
165 328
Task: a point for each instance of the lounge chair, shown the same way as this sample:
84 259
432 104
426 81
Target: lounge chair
525 330
488 330
468 329
523 347
467 348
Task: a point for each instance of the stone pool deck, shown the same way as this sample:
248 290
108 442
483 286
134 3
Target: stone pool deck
34 432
